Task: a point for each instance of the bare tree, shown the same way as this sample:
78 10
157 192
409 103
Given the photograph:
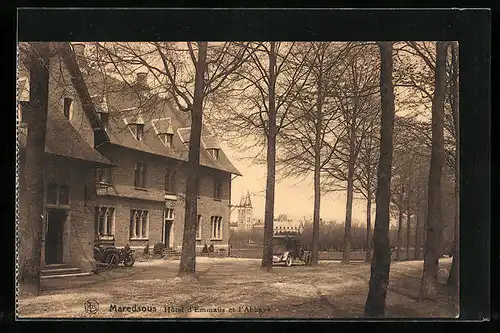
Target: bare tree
379 279
35 57
265 90
357 107
366 181
397 199
454 277
308 144
210 74
433 239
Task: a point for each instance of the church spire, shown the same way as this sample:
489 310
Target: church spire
242 200
248 200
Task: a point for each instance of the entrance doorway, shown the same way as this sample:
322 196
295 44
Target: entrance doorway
166 233
54 236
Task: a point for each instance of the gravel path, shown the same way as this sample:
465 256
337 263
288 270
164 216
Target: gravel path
231 287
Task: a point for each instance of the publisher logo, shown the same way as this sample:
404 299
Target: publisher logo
91 306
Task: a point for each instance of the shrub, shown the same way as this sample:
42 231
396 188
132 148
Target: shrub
146 249
158 248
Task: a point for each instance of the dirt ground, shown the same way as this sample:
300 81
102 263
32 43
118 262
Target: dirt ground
236 288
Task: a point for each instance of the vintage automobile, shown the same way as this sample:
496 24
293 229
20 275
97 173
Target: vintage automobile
287 249
110 256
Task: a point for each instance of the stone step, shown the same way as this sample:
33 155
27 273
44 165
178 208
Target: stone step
58 271
66 275
54 266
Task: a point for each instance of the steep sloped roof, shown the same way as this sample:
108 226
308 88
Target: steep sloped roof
63 139
123 104
23 89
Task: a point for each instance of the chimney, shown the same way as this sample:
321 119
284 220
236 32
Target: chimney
79 49
142 80
141 77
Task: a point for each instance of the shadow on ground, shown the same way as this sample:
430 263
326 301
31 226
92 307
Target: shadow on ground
237 288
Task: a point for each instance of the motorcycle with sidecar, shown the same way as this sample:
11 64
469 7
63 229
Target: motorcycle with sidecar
108 255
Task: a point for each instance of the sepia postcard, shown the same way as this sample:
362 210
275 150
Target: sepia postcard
131 223
238 179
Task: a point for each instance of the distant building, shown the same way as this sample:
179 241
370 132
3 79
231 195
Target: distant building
259 225
245 213
283 225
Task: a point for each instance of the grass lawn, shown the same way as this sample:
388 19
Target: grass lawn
237 288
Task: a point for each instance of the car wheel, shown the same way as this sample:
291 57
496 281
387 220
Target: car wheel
308 260
288 261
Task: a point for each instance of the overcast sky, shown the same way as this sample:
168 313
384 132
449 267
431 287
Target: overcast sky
292 198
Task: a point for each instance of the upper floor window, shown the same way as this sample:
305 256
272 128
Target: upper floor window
215 153
57 194
170 181
103 175
140 175
68 108
139 131
167 139
217 188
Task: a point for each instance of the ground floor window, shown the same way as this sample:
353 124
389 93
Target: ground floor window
139 224
105 221
169 214
198 228
216 227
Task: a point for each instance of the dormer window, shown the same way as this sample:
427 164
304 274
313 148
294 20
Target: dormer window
164 129
101 107
68 108
211 144
135 124
167 139
138 131
214 153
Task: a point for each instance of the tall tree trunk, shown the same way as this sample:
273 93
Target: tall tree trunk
267 255
408 233
400 226
418 235
433 241
368 246
30 227
454 277
317 166
188 256
346 257
379 279
408 219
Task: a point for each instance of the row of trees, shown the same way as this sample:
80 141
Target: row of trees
315 110
331 238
